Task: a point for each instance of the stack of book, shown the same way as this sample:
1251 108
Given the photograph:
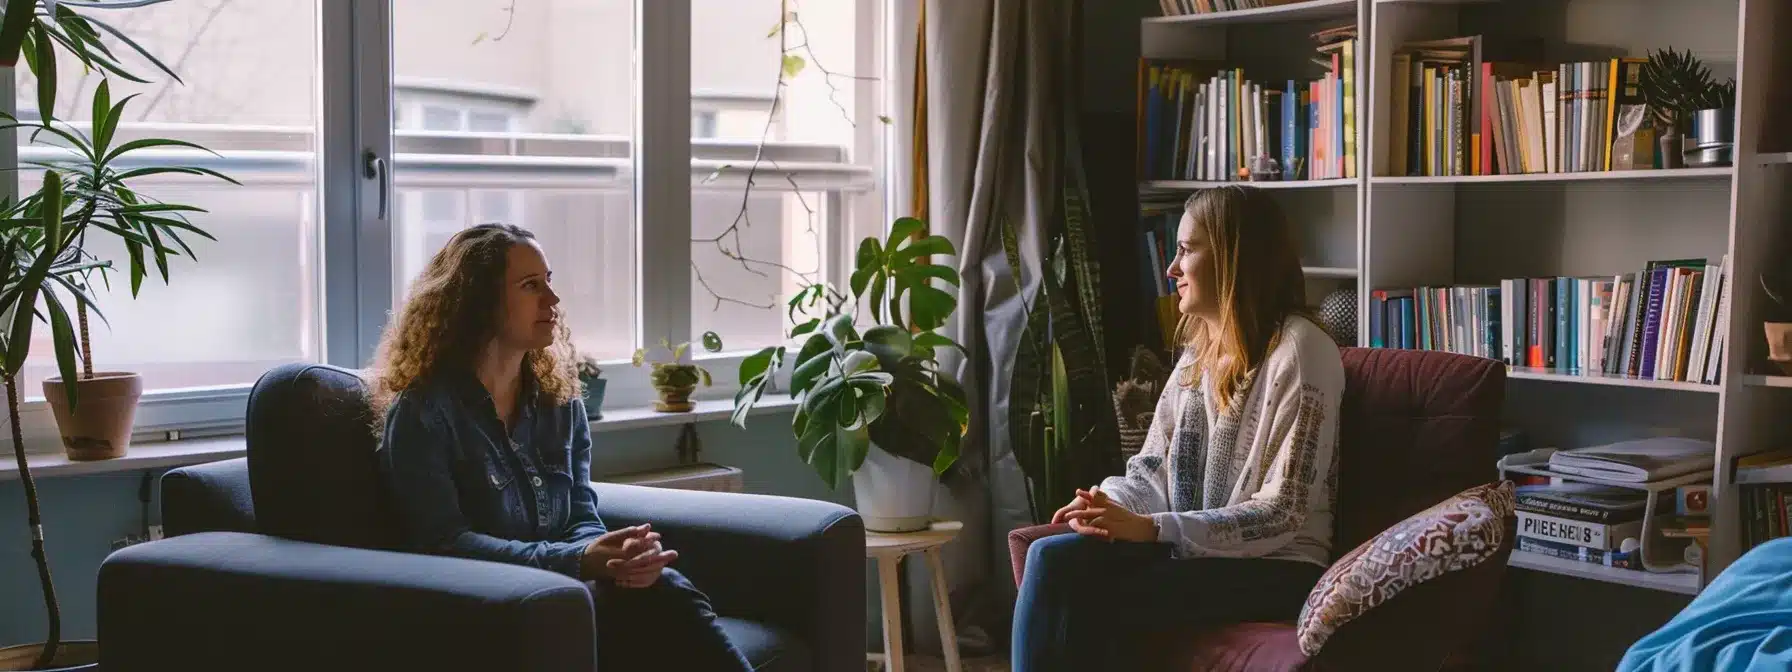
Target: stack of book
1202 121
1184 7
1473 106
1597 524
1666 322
1764 483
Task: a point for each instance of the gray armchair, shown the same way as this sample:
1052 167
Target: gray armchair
284 560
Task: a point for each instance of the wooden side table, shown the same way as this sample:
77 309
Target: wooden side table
888 550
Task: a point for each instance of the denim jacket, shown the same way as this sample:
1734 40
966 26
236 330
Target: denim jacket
461 487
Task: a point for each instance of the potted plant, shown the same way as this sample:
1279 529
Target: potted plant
873 406
592 382
675 379
1777 325
46 270
1684 96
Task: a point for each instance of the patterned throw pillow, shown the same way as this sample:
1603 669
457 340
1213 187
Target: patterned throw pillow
1456 534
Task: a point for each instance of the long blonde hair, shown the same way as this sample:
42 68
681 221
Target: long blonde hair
1260 285
452 314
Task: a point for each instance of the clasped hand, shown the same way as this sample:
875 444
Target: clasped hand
631 557
1093 514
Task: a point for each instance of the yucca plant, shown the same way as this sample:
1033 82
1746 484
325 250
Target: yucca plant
1676 84
43 236
883 385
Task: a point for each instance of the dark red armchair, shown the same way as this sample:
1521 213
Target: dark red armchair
1416 427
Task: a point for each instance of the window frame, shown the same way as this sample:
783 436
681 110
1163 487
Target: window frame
357 101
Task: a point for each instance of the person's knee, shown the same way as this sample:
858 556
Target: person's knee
1059 553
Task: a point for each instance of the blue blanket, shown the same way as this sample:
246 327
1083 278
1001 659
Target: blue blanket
1742 621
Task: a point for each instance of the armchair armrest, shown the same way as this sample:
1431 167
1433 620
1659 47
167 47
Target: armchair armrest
230 600
795 563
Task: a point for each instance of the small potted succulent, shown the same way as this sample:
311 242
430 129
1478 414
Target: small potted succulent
1688 101
675 379
592 381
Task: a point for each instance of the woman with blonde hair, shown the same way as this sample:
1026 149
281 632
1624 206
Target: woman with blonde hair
486 452
1225 515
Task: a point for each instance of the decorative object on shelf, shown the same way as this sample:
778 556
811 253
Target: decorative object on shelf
1713 137
875 405
1338 314
675 379
47 268
1135 400
1678 87
592 382
1777 328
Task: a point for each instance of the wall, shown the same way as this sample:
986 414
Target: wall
82 515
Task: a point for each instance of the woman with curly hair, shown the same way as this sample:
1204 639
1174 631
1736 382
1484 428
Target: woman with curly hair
487 451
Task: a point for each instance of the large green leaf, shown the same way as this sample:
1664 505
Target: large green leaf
756 373
889 343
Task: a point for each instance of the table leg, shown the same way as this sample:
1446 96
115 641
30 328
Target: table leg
888 570
942 609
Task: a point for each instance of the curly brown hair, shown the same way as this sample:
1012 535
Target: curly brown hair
452 314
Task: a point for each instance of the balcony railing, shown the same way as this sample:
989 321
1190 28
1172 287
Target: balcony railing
270 155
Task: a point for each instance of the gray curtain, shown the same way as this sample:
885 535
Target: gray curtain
999 76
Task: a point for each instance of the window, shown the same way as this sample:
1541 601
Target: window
755 247
251 299
543 113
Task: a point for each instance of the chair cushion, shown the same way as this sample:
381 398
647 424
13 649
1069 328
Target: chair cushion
1455 534
768 647
1257 647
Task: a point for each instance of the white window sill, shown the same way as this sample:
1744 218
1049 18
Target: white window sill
169 454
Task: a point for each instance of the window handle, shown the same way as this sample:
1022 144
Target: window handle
374 168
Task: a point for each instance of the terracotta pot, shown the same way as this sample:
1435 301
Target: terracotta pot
675 399
1779 344
70 655
98 427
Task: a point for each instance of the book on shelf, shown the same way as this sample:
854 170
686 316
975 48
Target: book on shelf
1615 558
1774 466
1763 512
1599 536
1586 502
1200 120
1478 105
1666 322
1186 7
1637 461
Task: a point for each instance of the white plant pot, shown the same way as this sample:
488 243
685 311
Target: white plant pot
893 494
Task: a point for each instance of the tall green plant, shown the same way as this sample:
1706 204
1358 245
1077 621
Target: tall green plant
883 385
43 236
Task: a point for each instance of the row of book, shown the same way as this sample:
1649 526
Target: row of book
1202 121
1475 106
1762 483
1667 322
1185 7
1590 504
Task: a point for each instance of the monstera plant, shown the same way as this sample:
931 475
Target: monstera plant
873 405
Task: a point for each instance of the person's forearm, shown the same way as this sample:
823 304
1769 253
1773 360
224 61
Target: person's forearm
554 556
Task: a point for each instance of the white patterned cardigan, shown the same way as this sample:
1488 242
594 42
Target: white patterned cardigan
1259 481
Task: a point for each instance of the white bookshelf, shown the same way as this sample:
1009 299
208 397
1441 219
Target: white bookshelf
1385 231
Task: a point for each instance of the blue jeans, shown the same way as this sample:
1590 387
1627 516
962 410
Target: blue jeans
1090 604
666 626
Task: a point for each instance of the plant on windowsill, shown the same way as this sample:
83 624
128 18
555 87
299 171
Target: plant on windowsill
47 270
591 380
675 379
874 406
